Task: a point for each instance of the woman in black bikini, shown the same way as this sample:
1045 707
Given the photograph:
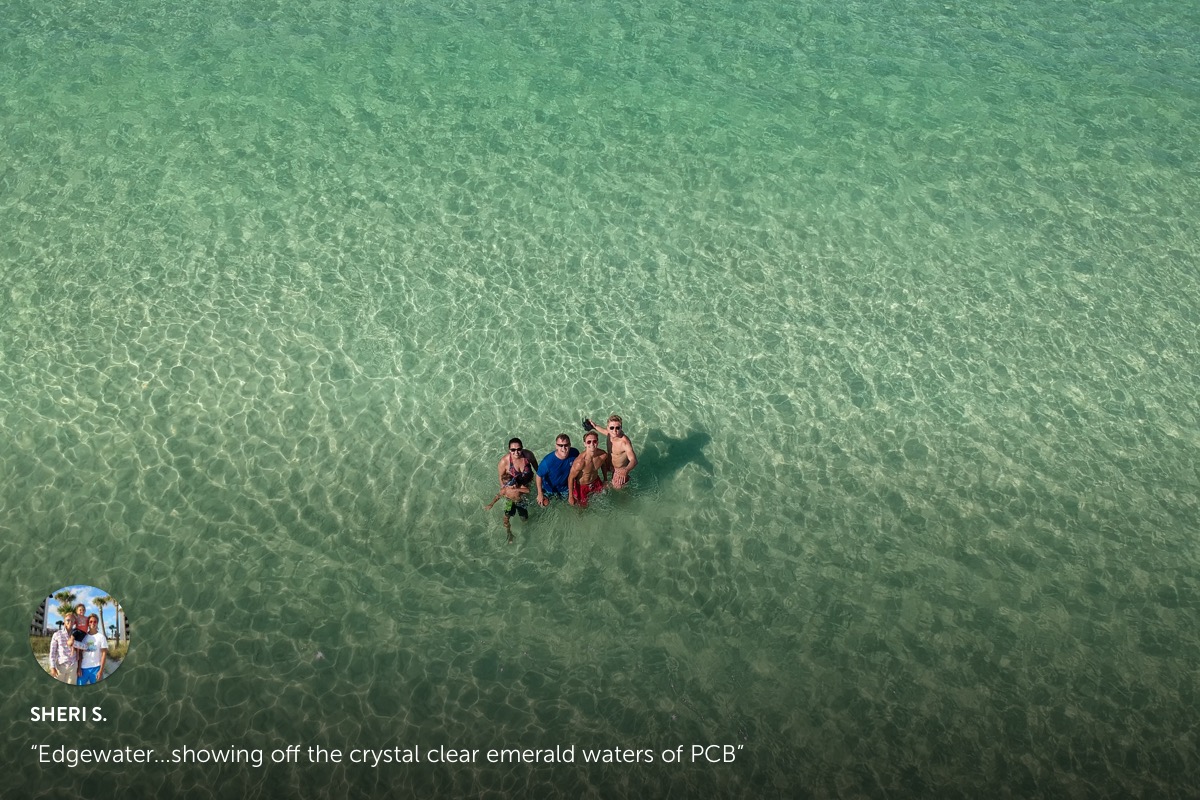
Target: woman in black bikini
516 474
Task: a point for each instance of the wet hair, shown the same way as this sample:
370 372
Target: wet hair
515 441
563 436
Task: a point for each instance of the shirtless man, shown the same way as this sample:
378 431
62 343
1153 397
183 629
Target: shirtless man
620 450
588 472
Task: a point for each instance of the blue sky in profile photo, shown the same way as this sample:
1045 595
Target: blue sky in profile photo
83 594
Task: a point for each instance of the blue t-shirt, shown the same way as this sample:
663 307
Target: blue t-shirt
554 471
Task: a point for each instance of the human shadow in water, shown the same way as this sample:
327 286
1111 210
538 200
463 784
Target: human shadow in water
664 456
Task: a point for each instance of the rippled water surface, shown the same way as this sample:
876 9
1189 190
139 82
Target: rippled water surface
899 302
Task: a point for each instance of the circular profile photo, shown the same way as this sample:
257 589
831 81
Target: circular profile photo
79 635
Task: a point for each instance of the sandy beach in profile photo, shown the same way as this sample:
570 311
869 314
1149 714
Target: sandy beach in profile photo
79 635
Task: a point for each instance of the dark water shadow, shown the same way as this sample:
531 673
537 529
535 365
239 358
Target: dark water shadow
664 456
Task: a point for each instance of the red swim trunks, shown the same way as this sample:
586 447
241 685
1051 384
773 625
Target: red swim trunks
584 491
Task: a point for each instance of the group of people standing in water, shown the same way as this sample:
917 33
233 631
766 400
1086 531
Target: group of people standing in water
564 472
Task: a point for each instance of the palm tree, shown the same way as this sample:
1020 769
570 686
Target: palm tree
100 603
66 601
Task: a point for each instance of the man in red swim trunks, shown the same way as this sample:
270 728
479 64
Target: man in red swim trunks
589 472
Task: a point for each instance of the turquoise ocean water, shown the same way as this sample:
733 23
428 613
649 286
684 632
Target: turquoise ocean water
899 302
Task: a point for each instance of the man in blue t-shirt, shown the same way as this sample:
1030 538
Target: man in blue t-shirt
555 468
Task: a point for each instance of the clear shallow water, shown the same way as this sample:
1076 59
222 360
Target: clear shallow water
899 303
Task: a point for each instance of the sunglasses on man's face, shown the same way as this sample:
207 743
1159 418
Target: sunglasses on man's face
614 427
562 444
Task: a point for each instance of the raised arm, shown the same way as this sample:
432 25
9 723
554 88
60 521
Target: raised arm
600 429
